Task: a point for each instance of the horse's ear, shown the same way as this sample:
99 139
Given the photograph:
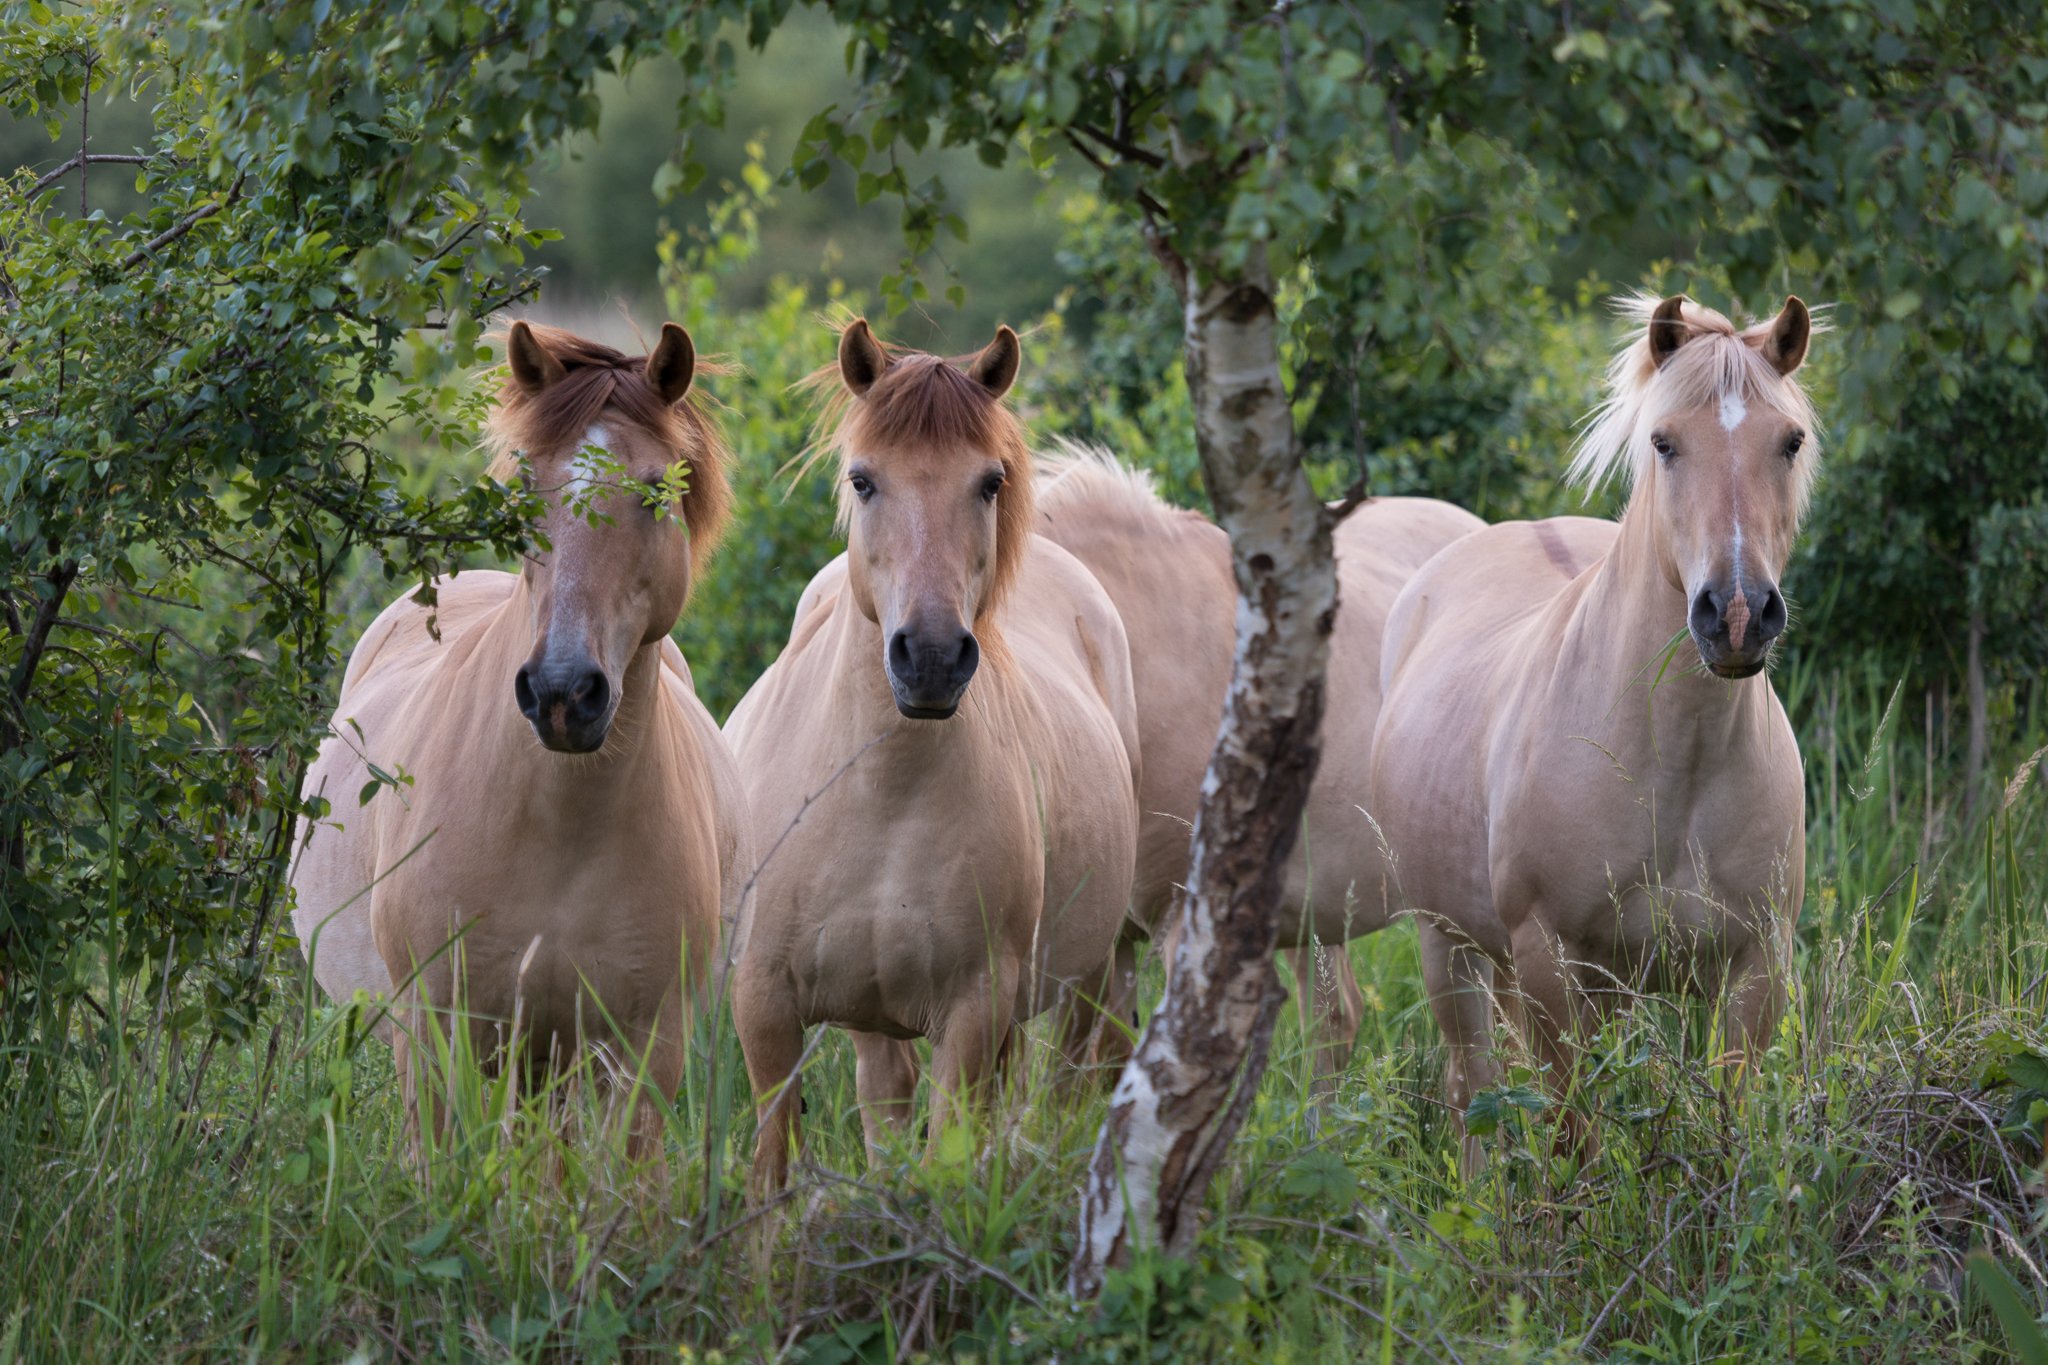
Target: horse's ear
861 358
1785 344
673 364
534 366
1667 329
995 369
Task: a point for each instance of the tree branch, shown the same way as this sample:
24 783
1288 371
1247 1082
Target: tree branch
97 158
38 639
184 225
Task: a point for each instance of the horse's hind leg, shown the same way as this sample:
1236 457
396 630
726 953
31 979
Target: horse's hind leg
1098 1021
885 1078
1331 1008
1460 982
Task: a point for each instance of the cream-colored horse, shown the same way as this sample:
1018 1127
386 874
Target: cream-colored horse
1168 571
1570 803
574 817
941 764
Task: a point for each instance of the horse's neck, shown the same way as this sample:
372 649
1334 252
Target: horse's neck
1620 649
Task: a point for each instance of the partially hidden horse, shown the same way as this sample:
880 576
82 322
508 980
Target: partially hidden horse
941 764
573 845
1577 813
1168 571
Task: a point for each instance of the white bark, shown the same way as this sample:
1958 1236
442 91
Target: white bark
1186 1088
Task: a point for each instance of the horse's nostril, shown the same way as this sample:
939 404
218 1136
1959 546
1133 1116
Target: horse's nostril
522 691
969 657
589 695
1771 620
1705 617
899 654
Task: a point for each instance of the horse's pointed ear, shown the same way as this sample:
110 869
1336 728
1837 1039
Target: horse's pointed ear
1785 344
995 369
673 364
861 358
534 366
1667 329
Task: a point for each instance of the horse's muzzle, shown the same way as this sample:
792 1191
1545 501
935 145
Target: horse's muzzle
1734 627
929 673
569 705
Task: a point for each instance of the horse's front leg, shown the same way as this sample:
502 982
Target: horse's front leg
1459 979
885 1079
1557 1017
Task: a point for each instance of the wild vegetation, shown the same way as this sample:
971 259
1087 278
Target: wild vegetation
237 418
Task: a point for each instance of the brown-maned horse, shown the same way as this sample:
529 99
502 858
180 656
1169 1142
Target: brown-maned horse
1168 571
1567 803
941 764
574 817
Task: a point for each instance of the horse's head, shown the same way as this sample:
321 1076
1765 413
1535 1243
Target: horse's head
1722 439
937 502
592 428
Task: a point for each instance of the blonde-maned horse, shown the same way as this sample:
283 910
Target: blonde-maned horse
1570 804
941 764
1168 571
574 817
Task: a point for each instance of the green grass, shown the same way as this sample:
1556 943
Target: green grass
161 1199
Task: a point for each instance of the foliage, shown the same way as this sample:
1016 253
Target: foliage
188 428
1941 518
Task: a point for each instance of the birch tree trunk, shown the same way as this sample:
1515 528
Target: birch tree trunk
1186 1088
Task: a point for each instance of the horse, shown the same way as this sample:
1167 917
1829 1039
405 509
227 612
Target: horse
570 844
1168 571
1576 814
942 763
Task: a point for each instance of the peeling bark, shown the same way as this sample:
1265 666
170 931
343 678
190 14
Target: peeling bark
1186 1088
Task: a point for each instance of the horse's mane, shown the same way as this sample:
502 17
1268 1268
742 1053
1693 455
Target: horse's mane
1717 361
928 402
1071 473
524 424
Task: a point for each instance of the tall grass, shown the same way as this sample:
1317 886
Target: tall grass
162 1199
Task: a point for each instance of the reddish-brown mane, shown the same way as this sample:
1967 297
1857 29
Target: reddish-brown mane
528 425
926 402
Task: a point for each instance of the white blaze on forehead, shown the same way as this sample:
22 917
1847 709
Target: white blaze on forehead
1732 411
584 470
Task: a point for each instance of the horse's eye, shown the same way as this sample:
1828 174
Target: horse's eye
1662 445
1793 442
863 486
991 486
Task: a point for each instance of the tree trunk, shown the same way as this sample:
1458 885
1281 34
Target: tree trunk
1186 1089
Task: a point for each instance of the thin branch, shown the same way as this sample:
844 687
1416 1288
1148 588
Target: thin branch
1123 147
184 225
97 158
